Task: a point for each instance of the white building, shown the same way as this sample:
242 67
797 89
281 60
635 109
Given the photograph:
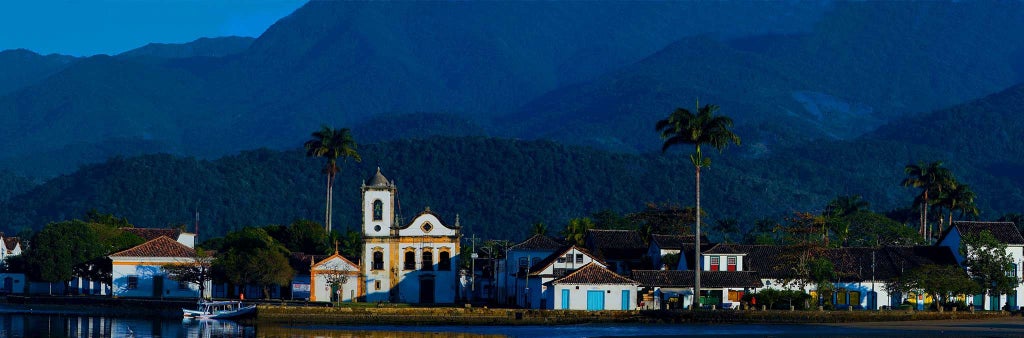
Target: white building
138 272
533 288
416 262
593 288
1006 233
11 282
518 260
334 278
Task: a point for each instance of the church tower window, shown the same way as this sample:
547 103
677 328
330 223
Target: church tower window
378 260
378 210
410 260
428 260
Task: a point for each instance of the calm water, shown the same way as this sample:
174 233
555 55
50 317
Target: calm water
59 325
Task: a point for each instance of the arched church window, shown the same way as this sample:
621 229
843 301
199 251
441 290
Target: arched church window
378 260
428 260
444 262
410 260
378 210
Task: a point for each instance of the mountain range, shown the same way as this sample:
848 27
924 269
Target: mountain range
830 98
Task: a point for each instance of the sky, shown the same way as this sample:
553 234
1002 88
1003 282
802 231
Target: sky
83 28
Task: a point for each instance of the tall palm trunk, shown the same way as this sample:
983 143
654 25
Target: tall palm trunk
327 208
330 202
924 219
696 252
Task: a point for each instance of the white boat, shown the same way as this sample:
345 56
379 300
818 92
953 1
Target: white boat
220 310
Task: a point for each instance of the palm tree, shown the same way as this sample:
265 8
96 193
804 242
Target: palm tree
960 198
540 228
846 205
576 231
932 179
703 128
331 144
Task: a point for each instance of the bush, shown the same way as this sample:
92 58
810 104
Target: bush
960 306
778 299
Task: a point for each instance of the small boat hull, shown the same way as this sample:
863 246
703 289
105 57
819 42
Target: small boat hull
219 310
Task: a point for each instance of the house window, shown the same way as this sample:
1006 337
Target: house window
1012 271
410 260
731 262
133 282
561 259
535 261
715 260
428 260
560 272
378 260
523 262
445 261
579 258
376 284
378 210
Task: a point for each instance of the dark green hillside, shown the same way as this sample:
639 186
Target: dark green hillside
498 187
208 47
101 99
342 63
12 185
21 68
864 64
389 127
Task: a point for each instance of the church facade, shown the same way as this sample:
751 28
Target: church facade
415 262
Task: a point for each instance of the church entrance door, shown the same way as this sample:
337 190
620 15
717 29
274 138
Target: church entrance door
427 290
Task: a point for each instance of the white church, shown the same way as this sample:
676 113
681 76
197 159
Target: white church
416 262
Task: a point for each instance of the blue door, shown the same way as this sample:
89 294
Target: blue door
565 299
625 299
595 300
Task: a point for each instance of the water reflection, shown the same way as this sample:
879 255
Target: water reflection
58 325
353 332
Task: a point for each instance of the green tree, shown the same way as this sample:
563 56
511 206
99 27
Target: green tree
727 227
253 257
960 198
539 228
987 262
352 244
664 219
932 179
331 144
306 236
58 248
940 281
877 230
193 270
764 233
846 205
683 127
576 231
805 246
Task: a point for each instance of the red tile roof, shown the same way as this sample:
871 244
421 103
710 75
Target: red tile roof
10 242
593 273
539 242
162 246
1005 232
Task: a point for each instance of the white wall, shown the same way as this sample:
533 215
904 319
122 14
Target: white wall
578 296
372 276
370 226
147 275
